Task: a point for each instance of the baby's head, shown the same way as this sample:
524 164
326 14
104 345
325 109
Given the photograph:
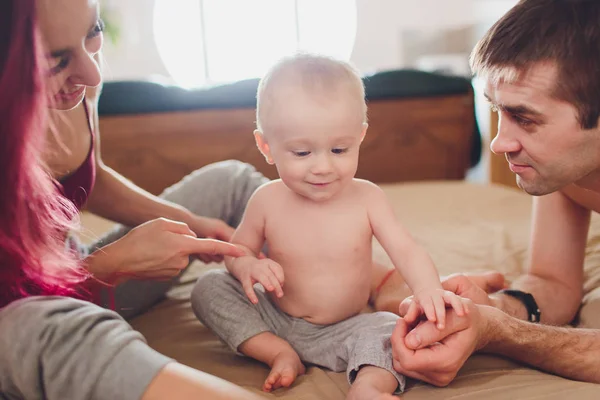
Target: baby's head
311 118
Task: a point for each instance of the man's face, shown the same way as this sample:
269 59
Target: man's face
540 135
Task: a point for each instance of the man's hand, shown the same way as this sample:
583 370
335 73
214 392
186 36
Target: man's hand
463 286
432 302
435 356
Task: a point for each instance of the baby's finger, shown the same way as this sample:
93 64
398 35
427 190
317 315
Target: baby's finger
456 303
249 290
276 285
429 310
440 311
263 279
277 271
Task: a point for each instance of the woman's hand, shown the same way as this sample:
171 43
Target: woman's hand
210 228
158 249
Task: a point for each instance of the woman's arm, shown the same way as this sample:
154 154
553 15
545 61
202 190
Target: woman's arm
176 381
118 199
60 348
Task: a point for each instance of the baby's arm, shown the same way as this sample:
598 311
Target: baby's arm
409 258
250 236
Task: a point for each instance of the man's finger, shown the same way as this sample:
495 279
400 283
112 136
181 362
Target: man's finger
426 359
427 333
454 283
429 377
413 312
398 336
405 306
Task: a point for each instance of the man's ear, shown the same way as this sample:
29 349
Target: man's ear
263 146
365 126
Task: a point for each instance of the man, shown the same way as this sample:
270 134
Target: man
541 63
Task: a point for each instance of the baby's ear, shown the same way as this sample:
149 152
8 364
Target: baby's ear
365 126
263 146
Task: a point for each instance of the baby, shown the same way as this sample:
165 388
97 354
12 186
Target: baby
318 222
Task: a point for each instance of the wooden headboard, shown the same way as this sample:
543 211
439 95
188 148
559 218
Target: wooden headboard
408 140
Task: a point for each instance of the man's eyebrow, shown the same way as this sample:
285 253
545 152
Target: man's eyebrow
520 109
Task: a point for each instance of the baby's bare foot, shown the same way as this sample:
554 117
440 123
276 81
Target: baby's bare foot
286 367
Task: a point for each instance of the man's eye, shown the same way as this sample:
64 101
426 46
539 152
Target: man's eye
521 121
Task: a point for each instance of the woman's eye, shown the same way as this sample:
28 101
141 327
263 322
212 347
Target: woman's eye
62 64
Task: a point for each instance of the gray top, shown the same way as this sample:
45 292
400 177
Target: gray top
60 348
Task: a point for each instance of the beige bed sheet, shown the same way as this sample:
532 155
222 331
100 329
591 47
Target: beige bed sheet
465 227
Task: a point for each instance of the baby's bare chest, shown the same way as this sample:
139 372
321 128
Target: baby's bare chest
320 232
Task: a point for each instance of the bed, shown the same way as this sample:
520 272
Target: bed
464 226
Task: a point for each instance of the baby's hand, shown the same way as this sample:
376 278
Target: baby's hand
264 271
432 302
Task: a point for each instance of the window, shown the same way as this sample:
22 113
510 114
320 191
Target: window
203 42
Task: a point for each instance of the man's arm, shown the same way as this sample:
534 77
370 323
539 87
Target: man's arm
568 352
557 250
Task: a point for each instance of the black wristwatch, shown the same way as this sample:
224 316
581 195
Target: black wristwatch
533 311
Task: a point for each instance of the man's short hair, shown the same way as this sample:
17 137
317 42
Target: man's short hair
565 33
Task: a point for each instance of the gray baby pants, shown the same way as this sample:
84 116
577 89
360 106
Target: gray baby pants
221 304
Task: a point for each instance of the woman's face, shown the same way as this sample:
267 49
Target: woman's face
72 34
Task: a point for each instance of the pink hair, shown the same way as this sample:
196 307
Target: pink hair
34 218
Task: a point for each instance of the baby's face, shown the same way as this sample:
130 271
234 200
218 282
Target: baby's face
314 144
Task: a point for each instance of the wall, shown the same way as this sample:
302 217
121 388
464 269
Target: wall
381 40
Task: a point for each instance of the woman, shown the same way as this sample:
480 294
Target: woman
52 346
204 204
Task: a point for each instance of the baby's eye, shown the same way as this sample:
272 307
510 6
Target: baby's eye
339 151
301 153
97 29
